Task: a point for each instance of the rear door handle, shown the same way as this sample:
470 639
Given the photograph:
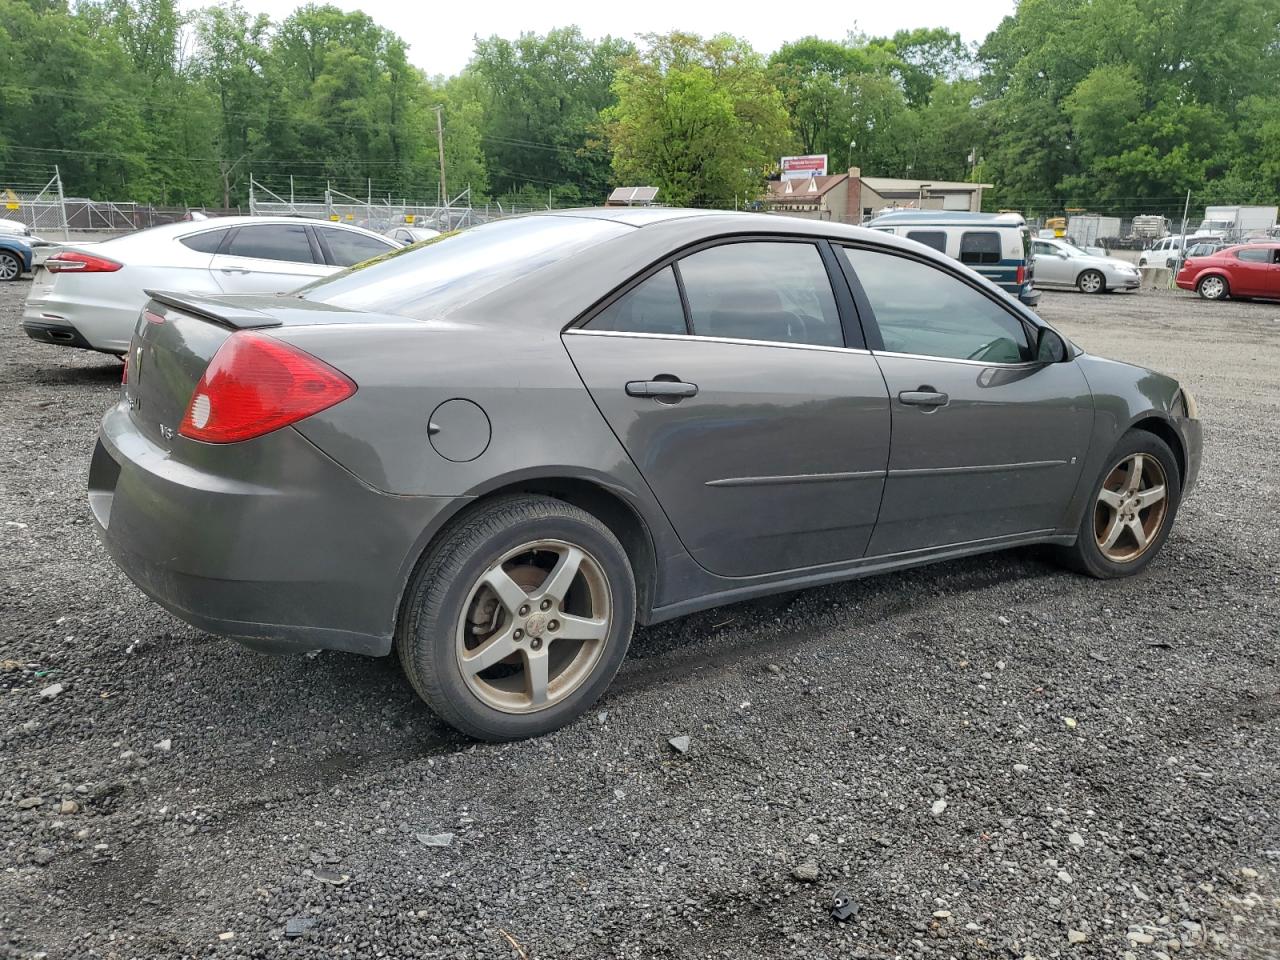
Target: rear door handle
233 270
661 389
923 397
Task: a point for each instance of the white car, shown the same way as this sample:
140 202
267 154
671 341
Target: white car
408 235
91 296
1063 264
14 228
1166 251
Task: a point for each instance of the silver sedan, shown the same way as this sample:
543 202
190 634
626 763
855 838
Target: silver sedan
1063 264
90 295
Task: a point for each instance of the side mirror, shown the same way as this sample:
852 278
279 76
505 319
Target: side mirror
1063 255
1050 347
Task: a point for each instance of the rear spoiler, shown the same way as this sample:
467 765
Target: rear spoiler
223 311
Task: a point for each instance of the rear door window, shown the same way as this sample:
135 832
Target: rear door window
653 306
272 241
761 290
930 238
1254 255
980 247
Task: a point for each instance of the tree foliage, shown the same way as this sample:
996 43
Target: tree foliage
1112 104
697 119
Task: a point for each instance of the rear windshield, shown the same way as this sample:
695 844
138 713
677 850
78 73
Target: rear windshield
435 276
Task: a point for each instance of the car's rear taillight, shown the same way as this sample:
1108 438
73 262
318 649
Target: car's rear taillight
255 384
73 261
1022 274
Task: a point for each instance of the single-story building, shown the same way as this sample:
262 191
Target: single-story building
853 198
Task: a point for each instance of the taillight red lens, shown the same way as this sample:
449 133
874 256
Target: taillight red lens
74 262
1022 273
256 384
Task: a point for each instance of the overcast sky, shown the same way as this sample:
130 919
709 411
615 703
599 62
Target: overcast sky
441 34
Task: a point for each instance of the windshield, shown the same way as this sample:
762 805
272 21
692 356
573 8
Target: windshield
1074 251
432 277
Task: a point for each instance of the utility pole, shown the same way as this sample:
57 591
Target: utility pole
444 190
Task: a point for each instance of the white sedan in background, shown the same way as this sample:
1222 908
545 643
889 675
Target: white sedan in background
91 296
408 235
1063 264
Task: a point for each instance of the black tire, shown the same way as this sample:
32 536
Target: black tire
426 639
1091 281
10 266
1085 555
1213 291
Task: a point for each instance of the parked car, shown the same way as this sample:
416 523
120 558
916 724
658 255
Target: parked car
998 246
14 228
1063 264
1248 270
1165 252
408 235
1205 248
15 256
90 296
496 453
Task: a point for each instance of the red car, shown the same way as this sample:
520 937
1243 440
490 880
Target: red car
1246 270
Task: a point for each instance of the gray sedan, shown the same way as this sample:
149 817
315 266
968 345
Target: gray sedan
1063 264
497 453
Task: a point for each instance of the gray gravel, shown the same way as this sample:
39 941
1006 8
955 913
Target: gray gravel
904 739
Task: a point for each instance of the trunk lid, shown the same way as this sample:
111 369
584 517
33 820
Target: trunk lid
177 335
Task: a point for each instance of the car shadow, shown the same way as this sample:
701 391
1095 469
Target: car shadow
106 370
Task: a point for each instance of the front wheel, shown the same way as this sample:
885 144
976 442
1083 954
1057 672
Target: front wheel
1132 509
1091 281
518 618
10 266
1213 288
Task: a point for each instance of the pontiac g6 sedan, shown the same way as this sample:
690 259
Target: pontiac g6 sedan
497 452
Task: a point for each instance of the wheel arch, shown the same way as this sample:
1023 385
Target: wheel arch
1163 429
598 498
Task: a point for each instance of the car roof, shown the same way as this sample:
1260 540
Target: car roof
722 222
562 290
949 218
183 228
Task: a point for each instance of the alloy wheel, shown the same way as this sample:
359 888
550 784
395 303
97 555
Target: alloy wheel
9 267
1131 508
1091 281
1212 288
534 626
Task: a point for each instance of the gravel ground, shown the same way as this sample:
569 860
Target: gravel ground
991 758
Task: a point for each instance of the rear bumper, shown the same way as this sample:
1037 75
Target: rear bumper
58 334
1029 295
278 547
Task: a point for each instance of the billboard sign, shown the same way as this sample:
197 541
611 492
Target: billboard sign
802 168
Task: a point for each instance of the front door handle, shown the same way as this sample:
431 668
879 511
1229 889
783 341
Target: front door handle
923 397
668 390
233 269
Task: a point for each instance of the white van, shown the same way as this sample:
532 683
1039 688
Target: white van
996 245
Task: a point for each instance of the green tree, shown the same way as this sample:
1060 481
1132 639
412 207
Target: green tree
699 119
541 98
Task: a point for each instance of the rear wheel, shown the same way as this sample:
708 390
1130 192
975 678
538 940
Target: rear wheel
1133 507
1213 288
1091 281
518 618
10 266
